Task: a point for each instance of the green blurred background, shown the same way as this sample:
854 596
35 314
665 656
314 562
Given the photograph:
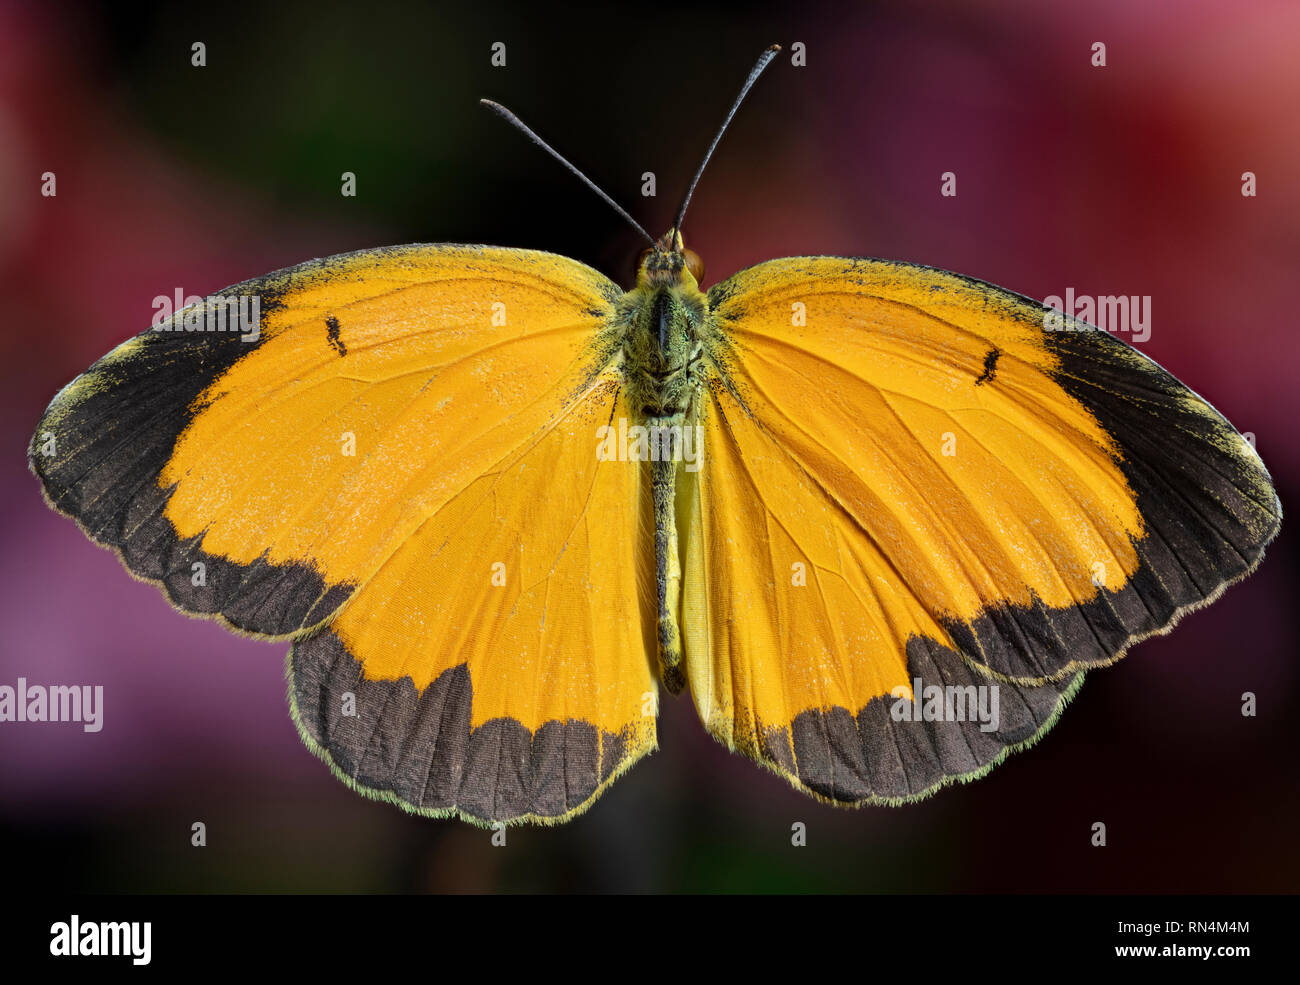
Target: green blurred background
1123 179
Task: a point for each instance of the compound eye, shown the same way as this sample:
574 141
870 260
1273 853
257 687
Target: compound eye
694 264
642 257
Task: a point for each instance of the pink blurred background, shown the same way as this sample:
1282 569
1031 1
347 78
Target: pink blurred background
1117 180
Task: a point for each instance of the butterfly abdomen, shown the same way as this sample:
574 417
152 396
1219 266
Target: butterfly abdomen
668 575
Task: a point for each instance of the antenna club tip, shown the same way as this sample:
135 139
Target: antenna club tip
773 47
502 112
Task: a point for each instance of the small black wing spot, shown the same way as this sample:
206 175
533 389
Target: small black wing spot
332 326
990 366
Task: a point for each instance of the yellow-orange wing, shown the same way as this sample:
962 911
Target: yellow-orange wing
921 516
395 465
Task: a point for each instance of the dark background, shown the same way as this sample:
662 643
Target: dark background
1117 180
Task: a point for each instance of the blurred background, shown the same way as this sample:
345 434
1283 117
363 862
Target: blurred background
1117 180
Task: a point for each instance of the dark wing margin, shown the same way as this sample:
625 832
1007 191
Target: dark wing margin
875 757
1205 497
103 442
418 750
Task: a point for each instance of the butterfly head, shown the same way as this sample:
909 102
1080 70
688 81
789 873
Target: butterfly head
669 264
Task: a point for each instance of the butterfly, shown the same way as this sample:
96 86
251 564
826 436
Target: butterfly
876 519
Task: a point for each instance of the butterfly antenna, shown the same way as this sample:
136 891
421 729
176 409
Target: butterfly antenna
764 60
519 124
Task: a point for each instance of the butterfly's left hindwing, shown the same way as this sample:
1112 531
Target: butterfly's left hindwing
931 491
398 468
